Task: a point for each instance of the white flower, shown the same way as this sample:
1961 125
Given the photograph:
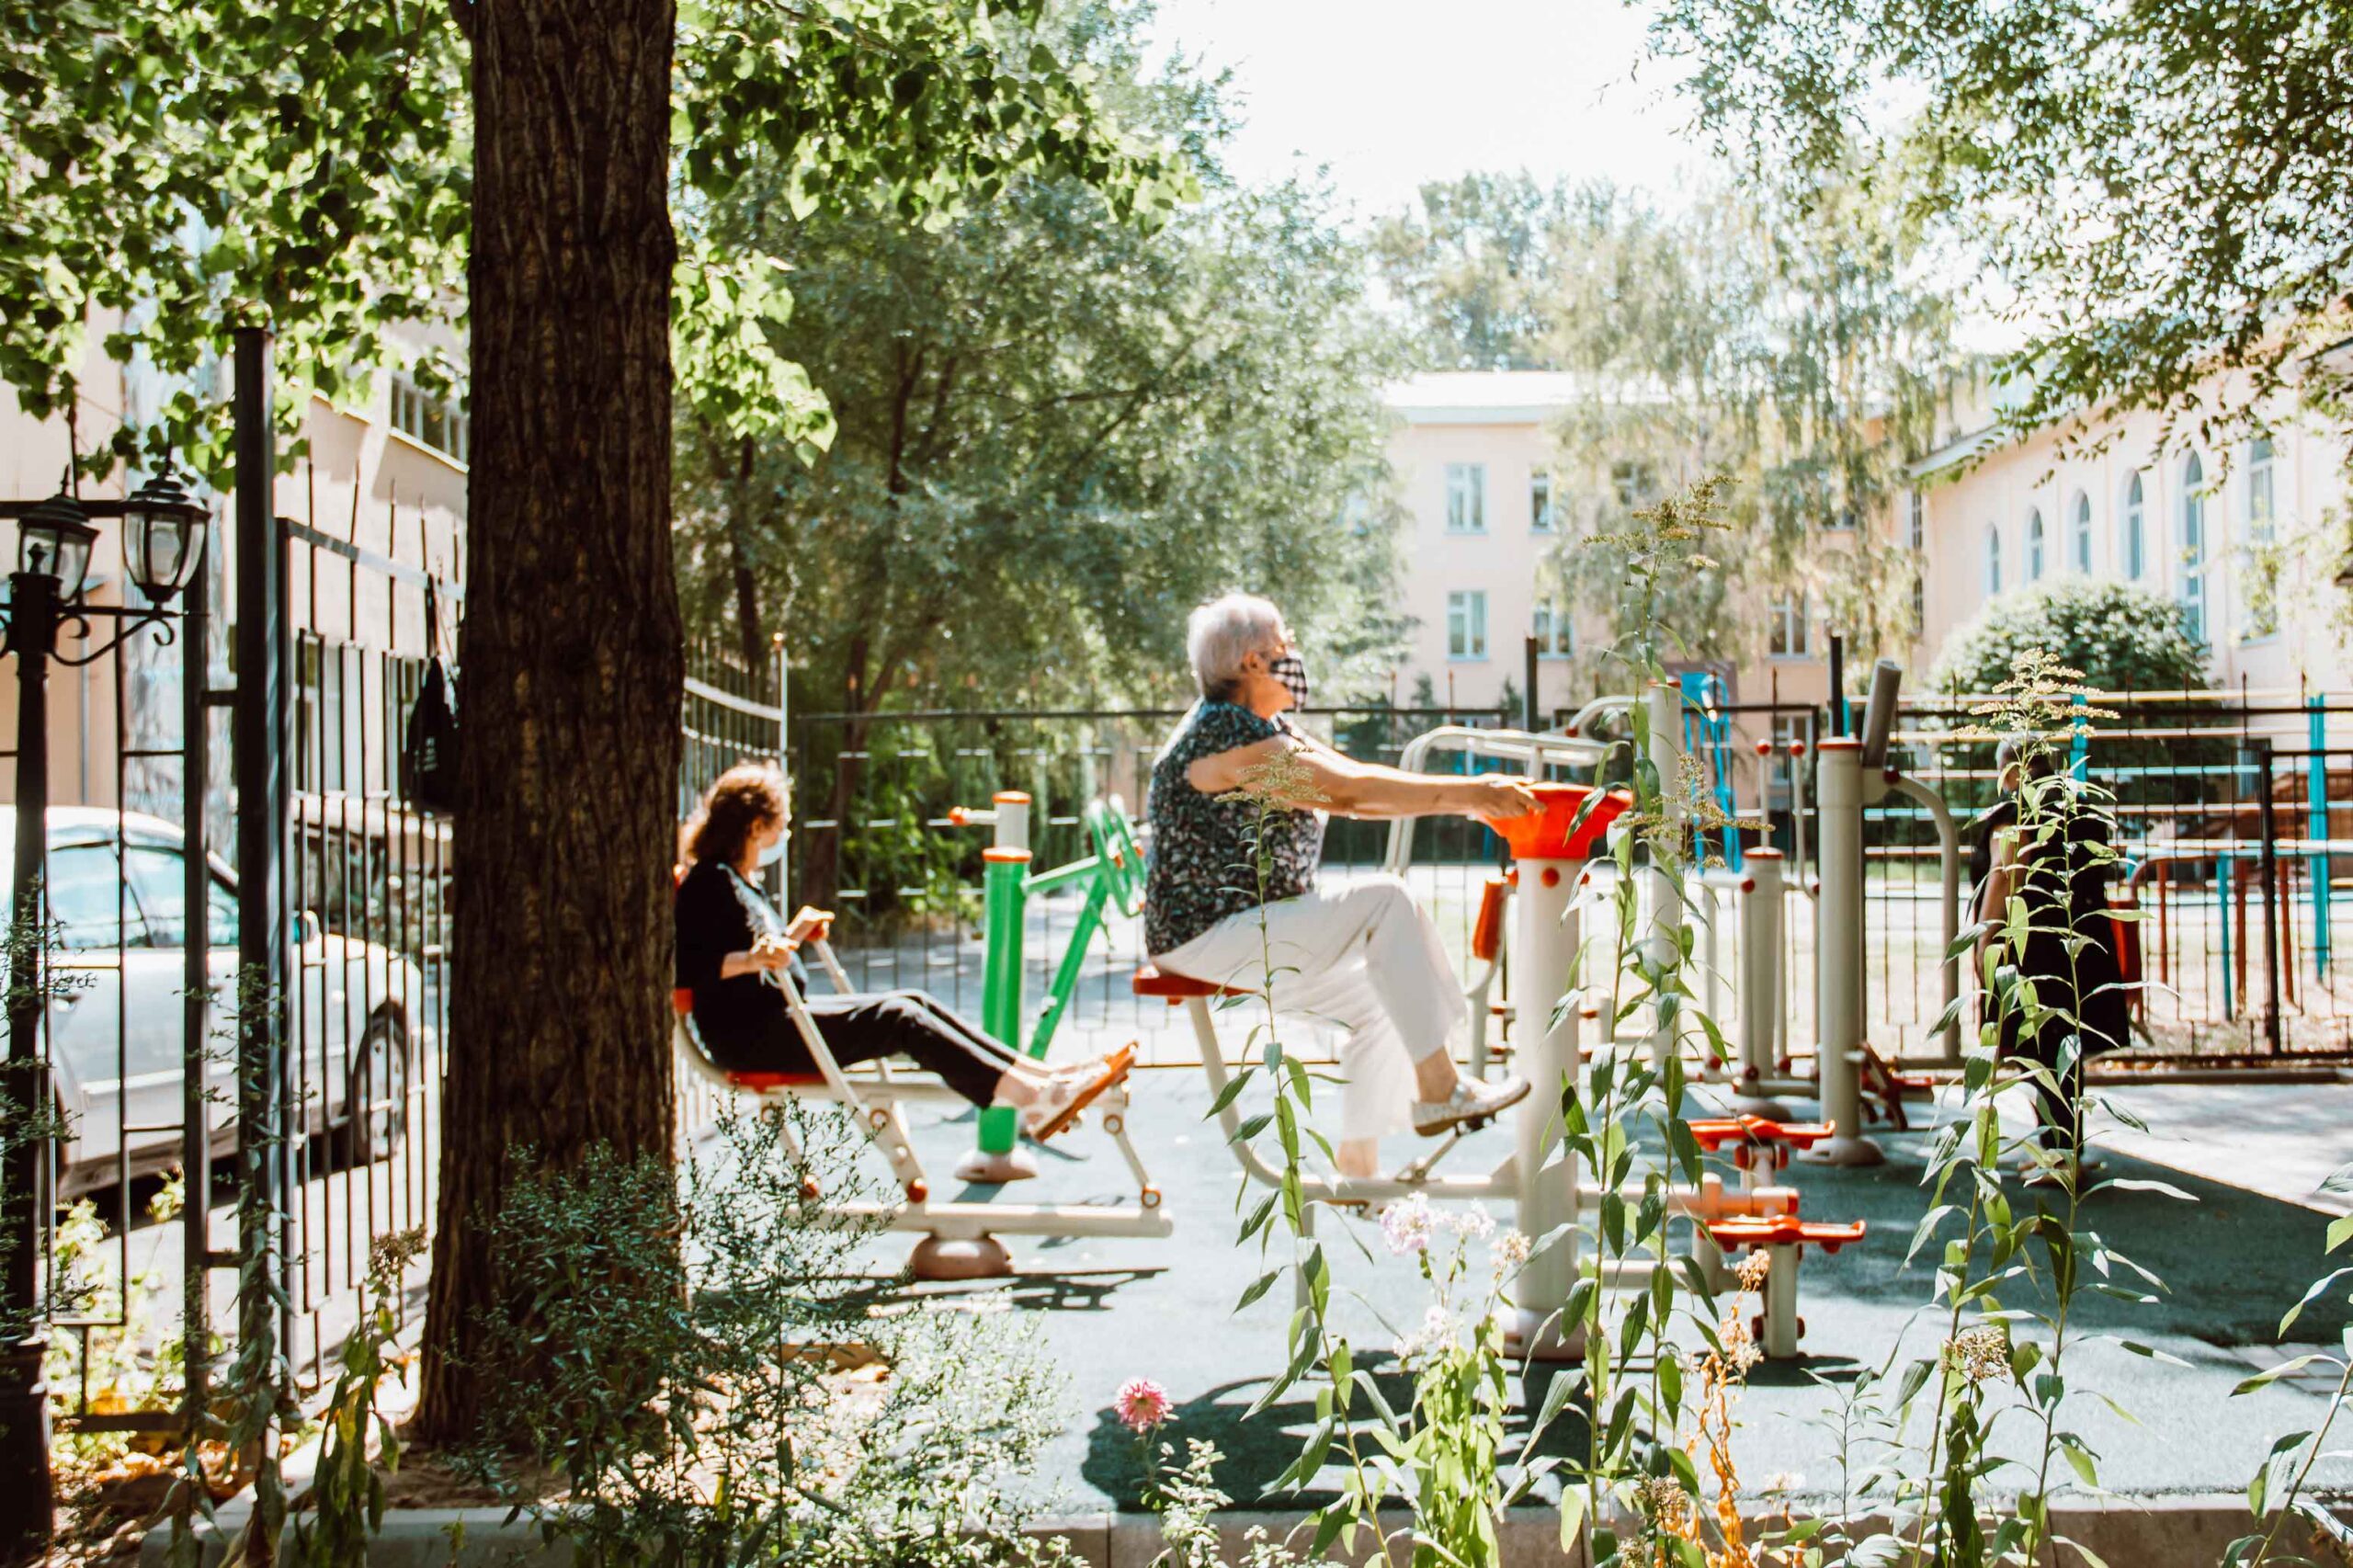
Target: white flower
1476 1224
1407 1226
1436 1334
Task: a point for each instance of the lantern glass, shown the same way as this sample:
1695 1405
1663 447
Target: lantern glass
161 546
54 540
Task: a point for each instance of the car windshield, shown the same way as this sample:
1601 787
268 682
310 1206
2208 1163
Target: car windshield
87 898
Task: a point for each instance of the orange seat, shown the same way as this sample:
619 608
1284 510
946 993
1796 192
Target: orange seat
1783 1230
682 1002
761 1083
1714 1132
1153 981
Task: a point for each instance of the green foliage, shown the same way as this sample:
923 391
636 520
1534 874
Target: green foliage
1056 433
2010 1271
307 166
2277 1493
2159 191
348 1490
684 1370
2118 637
1786 347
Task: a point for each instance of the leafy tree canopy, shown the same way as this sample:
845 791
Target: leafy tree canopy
2121 637
1056 433
1793 352
307 164
2161 189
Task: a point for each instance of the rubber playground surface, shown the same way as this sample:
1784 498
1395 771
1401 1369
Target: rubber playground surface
2232 1261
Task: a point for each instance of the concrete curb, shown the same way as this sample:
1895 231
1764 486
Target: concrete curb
2187 1532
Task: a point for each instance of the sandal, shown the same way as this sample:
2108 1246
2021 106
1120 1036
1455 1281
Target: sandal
1057 1108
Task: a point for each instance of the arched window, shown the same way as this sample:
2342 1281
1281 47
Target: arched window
2034 544
1993 558
2136 532
2193 547
2258 563
2083 532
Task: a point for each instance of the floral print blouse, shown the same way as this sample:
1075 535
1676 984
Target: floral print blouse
1204 865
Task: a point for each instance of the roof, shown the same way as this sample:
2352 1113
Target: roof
1486 397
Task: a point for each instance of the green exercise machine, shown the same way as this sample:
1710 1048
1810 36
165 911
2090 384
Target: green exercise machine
1113 878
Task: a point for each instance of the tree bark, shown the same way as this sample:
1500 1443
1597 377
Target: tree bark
570 660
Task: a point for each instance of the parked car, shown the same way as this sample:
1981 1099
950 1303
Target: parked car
117 907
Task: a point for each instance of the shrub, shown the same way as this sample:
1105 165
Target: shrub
715 1386
2118 637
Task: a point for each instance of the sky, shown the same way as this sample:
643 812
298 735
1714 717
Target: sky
1388 94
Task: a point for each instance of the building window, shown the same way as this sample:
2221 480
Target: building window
1636 484
1540 503
430 421
2259 566
1555 631
2034 544
2136 531
1788 633
1466 626
1920 522
1466 498
1840 521
2193 547
1993 558
1919 604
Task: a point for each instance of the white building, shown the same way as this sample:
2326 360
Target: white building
2247 536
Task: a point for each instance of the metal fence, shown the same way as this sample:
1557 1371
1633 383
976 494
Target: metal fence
2234 846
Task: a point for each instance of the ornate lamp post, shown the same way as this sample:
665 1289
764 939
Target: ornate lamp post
163 542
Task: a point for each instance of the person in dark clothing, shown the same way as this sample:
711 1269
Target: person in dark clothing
732 943
2060 863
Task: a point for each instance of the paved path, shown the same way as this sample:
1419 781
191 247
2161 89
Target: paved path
2232 1261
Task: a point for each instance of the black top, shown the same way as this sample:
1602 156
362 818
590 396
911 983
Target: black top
2067 868
719 914
1204 861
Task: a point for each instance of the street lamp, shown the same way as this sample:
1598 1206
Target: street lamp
163 542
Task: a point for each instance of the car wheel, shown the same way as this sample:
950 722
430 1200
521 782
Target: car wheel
375 1108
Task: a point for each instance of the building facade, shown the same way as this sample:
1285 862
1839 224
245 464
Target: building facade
386 476
2245 535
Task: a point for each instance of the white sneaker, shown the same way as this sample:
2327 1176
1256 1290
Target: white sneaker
1473 1103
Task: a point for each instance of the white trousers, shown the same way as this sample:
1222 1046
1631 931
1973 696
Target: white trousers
1360 955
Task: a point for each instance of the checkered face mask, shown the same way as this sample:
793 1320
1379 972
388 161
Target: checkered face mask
1292 670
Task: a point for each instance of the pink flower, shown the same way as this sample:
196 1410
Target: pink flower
1142 1405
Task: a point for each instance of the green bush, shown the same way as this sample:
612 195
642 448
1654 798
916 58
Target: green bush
696 1401
2118 637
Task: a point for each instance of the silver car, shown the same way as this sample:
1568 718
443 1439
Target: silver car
118 905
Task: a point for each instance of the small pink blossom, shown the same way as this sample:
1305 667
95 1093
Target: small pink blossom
1142 1405
1407 1226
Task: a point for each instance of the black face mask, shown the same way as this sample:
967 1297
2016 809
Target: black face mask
1292 670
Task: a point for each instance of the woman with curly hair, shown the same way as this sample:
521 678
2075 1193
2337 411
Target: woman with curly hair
733 942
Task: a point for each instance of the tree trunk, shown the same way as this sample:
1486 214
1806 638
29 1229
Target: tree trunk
570 662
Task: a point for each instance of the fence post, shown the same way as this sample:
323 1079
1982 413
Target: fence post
196 1017
2261 747
2316 826
259 753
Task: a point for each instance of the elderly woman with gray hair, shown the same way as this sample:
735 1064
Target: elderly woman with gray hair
1359 954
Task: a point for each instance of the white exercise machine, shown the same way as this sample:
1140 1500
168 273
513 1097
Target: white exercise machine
959 1239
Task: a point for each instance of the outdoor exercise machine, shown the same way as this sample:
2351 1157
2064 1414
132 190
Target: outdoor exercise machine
1852 774
959 1239
1113 878
1550 851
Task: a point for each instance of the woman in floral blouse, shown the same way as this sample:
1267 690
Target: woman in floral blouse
1359 954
